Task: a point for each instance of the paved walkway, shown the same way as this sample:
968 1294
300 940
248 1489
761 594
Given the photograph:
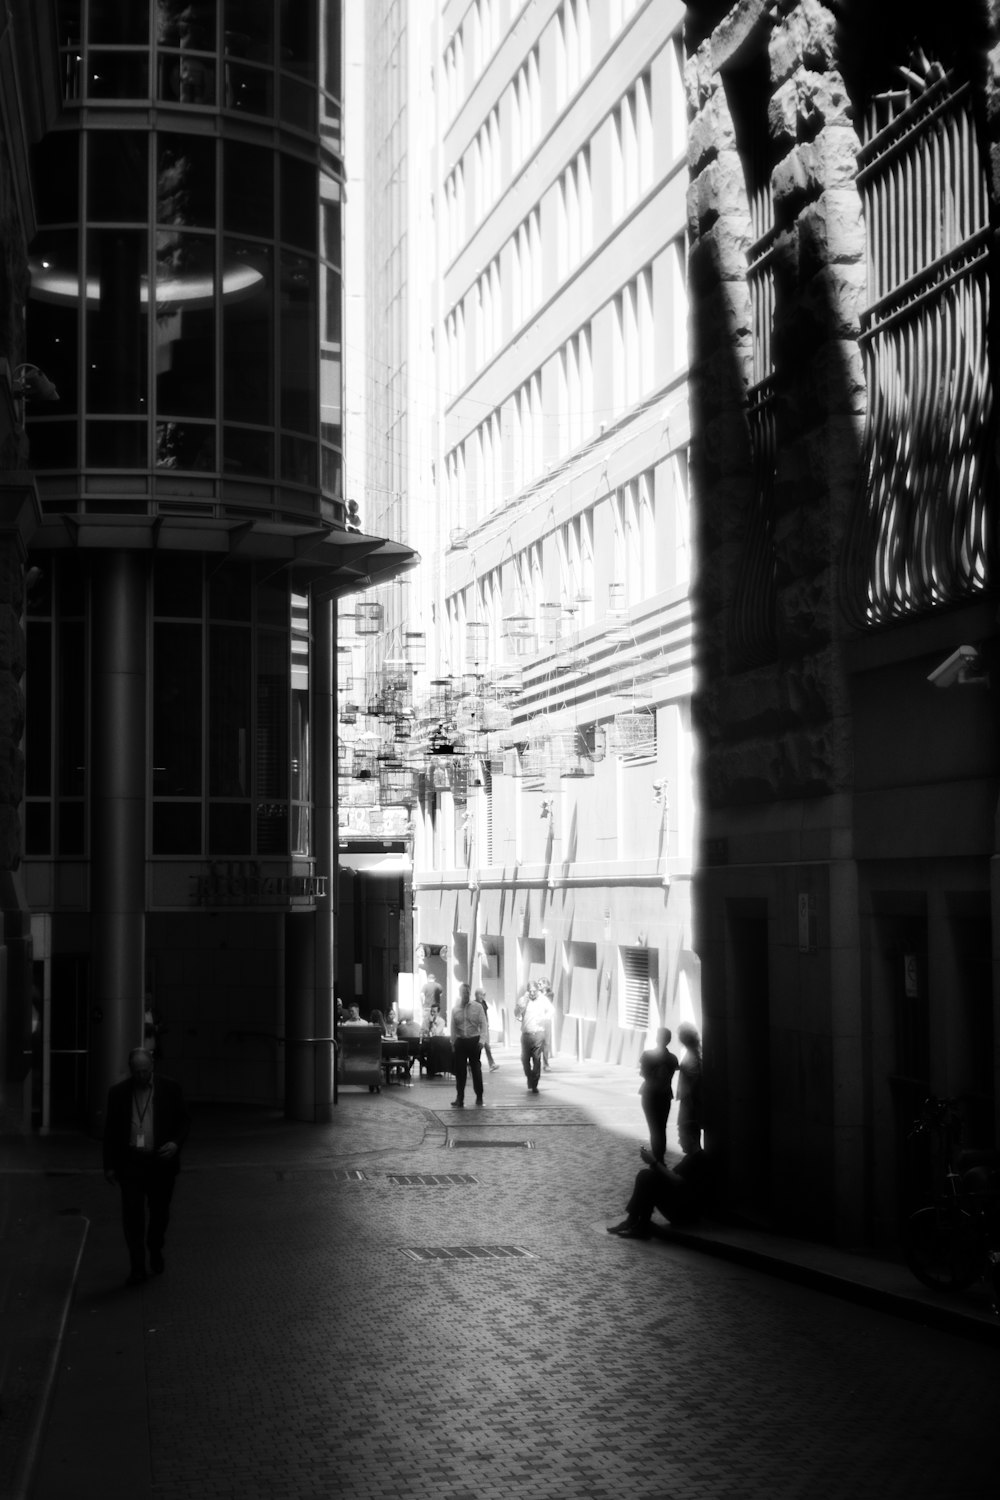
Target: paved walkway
414 1301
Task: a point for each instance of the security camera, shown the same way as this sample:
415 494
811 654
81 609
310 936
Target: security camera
964 667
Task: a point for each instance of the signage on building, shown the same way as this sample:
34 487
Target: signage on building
242 882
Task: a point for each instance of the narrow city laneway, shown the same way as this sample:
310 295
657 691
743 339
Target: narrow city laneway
407 1303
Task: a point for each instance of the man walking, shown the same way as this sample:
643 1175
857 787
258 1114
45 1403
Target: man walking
145 1126
468 1031
535 1017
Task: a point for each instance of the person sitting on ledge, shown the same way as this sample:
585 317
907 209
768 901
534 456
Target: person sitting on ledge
678 1192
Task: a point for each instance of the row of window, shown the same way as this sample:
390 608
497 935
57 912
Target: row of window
562 406
549 590
571 38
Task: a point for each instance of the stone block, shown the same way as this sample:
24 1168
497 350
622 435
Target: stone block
831 230
805 38
823 100
720 254
720 188
783 114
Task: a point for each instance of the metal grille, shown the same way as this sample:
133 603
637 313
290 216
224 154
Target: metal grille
454 1142
431 1179
635 972
921 535
425 1253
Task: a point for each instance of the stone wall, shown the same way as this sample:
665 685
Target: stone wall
779 729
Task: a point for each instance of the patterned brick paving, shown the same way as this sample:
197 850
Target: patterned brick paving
292 1350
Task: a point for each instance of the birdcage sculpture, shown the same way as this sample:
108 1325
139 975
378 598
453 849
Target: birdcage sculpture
551 623
572 754
458 539
634 732
535 756
364 763
349 714
477 642
415 648
519 635
367 617
357 794
397 784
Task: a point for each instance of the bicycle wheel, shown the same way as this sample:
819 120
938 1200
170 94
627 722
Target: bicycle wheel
942 1248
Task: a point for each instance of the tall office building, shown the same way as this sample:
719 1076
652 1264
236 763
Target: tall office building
543 754
185 303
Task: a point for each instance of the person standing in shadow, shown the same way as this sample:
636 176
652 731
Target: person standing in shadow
658 1066
145 1126
689 1089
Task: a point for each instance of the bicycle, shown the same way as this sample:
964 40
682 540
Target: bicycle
955 1240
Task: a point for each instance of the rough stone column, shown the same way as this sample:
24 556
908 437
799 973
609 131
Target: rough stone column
118 826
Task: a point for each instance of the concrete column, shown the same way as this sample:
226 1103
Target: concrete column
118 820
309 937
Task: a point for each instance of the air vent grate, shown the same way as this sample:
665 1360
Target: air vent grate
438 1253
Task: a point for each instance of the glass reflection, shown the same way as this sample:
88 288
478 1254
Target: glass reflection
185 325
116 177
116 348
248 189
248 338
117 75
183 79
298 343
121 21
179 23
185 180
53 319
185 445
248 29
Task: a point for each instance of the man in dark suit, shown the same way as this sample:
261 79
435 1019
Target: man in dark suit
145 1126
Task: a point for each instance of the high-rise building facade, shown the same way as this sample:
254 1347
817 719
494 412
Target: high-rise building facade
186 306
545 757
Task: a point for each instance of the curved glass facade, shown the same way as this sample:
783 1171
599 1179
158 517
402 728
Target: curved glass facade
186 277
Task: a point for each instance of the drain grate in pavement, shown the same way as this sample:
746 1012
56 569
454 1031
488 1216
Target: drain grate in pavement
425 1253
339 1174
431 1179
517 1145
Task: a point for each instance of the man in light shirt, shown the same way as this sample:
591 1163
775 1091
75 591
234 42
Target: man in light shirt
535 1018
468 1031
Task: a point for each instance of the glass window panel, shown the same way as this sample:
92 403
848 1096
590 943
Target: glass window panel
177 828
37 828
38 711
116 445
298 104
116 351
117 75
229 699
68 18
246 451
298 314
298 37
332 478
185 325
248 189
331 48
183 79
38 593
121 21
176 710
331 305
249 90
272 599
55 178
248 335
177 587
71 687
272 828
71 828
116 177
53 316
271 742
301 830
298 460
330 222
53 444
228 829
186 25
248 27
185 445
72 591
300 746
185 180
298 202
229 595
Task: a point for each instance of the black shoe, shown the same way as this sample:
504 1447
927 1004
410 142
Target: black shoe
479 1101
156 1263
621 1228
640 1231
458 1104
534 1088
135 1278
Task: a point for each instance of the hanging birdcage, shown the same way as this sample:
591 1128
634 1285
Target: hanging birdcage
635 732
551 620
440 697
519 635
364 764
415 648
349 713
357 794
495 716
477 642
458 539
616 598
396 785
367 617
